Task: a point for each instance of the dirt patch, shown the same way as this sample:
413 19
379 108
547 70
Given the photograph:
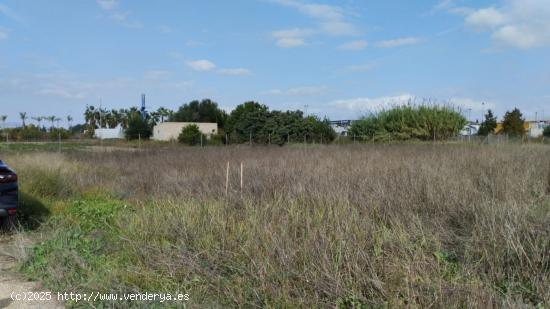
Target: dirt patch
11 284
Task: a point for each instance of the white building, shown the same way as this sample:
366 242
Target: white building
108 133
470 129
536 128
167 131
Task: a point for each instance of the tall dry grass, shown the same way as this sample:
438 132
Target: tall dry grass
379 225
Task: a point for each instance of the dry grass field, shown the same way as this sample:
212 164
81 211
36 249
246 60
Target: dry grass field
357 226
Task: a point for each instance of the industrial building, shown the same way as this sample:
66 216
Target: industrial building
167 131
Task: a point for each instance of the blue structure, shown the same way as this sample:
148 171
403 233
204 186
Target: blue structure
142 110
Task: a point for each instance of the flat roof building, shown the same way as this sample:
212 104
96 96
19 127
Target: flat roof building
167 131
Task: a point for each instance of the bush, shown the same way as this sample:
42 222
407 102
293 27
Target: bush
191 135
254 120
410 122
546 131
57 133
216 140
513 123
138 128
488 125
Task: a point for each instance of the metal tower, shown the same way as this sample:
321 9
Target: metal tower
142 110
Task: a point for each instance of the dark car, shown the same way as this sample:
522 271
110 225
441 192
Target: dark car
9 194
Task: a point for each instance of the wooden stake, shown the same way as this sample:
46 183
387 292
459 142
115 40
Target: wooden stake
227 178
241 179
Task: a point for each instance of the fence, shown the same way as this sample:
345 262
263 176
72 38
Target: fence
224 140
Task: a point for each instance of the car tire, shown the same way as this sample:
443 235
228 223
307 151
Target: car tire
8 224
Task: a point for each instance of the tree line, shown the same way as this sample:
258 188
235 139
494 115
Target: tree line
248 122
38 130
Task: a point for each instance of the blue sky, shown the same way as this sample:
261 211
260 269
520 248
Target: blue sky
341 59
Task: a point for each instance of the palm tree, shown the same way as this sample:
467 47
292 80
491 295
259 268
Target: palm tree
163 113
51 119
3 119
57 119
89 115
23 116
38 120
69 121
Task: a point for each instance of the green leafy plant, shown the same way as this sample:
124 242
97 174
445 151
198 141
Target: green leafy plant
138 127
513 123
488 125
191 135
423 122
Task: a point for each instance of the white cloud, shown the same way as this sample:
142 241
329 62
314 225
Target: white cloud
157 74
338 28
485 18
120 17
201 65
519 24
360 68
165 29
292 33
194 44
319 11
4 33
176 55
290 42
107 4
331 20
235 71
365 104
354 45
399 42
7 11
373 104
291 37
63 93
469 103
298 91
184 84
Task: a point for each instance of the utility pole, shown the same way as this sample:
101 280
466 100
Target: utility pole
100 102
469 124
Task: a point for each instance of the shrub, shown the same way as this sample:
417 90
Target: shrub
488 125
216 140
191 135
410 122
57 133
513 123
254 121
138 128
546 131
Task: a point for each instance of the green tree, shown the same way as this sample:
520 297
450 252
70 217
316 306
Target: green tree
3 119
248 119
546 132
51 119
252 119
488 125
23 116
282 126
319 130
138 127
191 135
513 123
164 113
200 111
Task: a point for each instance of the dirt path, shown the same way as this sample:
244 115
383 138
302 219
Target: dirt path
11 283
